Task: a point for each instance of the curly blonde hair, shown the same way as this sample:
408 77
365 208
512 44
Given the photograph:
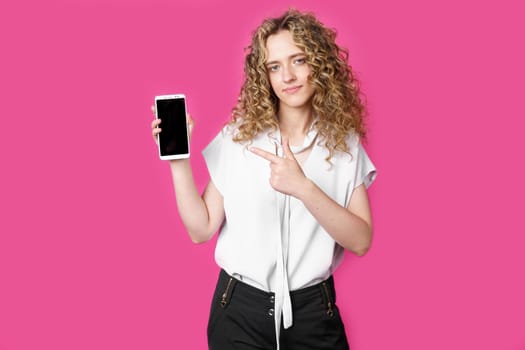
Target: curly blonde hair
336 102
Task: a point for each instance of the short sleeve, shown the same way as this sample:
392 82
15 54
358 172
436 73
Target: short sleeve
214 155
365 169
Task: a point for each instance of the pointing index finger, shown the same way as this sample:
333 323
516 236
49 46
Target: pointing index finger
264 154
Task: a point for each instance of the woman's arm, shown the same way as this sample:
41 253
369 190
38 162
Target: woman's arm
351 227
201 215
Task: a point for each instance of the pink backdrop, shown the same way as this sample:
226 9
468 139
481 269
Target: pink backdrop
92 252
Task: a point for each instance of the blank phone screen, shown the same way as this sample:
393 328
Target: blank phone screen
173 139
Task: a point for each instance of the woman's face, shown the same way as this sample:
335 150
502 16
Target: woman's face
288 72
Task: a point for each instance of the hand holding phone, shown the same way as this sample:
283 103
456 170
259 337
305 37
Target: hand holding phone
173 140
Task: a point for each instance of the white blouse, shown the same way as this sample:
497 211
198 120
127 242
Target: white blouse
270 240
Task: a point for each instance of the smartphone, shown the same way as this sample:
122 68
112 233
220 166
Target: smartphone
174 138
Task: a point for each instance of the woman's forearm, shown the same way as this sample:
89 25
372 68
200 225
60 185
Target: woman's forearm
201 215
351 231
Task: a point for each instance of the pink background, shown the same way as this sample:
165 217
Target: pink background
92 252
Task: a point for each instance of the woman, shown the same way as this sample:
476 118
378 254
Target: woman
287 191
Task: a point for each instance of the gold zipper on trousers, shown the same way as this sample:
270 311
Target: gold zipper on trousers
224 299
330 311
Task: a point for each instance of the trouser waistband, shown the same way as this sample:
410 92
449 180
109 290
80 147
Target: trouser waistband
229 285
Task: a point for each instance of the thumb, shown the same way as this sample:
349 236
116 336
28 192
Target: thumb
191 123
286 148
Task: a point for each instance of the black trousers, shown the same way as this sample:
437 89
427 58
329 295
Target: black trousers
242 318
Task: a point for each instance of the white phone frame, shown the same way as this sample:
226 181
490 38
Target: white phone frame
173 156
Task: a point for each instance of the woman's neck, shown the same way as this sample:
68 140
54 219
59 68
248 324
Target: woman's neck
295 124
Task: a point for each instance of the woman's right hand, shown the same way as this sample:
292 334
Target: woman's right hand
155 125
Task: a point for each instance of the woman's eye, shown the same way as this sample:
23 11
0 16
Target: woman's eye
300 61
273 68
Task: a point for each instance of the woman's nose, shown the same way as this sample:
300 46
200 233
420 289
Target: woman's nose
288 74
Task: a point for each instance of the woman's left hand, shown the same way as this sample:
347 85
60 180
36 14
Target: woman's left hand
286 173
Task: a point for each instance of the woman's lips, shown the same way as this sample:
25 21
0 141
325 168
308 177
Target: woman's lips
291 89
